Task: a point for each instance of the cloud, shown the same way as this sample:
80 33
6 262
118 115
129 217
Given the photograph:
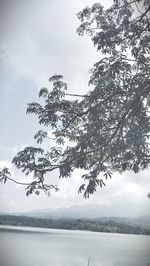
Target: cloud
6 164
121 196
69 186
39 40
7 205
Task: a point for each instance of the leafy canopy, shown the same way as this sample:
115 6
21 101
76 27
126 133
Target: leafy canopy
108 128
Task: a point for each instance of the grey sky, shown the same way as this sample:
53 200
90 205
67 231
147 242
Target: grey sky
38 39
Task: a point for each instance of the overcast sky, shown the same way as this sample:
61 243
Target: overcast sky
39 39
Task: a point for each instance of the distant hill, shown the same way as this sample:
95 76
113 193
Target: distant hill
92 211
77 211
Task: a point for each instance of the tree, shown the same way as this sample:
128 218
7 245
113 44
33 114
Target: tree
108 128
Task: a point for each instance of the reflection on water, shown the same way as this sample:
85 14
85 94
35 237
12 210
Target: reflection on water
52 247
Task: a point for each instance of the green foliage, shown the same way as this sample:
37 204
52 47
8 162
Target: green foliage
96 225
4 174
108 128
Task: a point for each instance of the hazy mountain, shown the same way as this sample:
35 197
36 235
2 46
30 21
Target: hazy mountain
77 211
87 211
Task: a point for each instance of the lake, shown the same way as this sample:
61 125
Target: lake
23 246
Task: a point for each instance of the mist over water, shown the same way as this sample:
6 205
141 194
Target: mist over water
52 247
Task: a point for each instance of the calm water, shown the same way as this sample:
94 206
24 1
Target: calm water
50 247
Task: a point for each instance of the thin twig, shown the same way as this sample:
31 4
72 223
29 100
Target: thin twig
89 261
76 95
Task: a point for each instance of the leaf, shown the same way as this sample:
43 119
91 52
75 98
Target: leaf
43 92
55 78
81 188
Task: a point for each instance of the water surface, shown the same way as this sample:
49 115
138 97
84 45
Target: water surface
23 246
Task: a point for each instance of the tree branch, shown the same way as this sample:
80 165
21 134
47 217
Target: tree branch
33 186
21 183
87 111
121 121
145 13
138 8
76 95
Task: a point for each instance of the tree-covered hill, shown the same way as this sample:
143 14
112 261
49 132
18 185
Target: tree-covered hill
96 225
